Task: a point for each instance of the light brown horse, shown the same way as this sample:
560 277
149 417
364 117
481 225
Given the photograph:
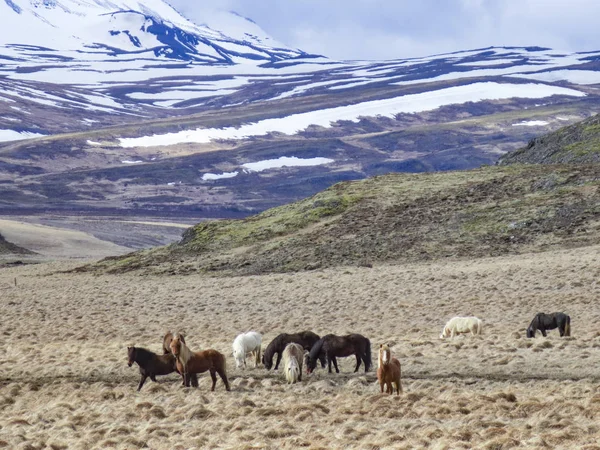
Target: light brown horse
189 362
389 371
167 351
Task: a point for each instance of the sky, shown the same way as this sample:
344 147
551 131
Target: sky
390 29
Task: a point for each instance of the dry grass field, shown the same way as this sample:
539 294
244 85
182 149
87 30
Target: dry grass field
64 381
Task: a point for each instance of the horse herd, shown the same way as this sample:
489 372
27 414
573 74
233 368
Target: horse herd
302 349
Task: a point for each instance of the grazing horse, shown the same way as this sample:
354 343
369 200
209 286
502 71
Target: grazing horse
332 346
244 344
461 325
389 371
305 338
150 363
293 356
189 362
545 322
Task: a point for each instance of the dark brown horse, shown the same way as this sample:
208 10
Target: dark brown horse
189 362
150 363
305 338
543 322
332 346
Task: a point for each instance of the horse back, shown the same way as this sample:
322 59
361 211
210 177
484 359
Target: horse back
205 360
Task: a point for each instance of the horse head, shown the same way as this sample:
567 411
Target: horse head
530 332
175 344
385 354
239 358
311 363
130 356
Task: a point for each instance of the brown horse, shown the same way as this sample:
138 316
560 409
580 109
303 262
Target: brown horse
389 371
189 362
167 351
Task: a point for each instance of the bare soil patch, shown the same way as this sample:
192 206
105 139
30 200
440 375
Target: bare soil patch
64 382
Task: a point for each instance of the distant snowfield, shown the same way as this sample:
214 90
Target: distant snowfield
531 123
572 76
388 108
259 166
11 135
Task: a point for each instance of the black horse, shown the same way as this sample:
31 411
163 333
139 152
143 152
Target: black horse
332 346
545 322
305 338
151 364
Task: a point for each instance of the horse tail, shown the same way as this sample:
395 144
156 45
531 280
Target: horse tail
368 360
479 326
568 326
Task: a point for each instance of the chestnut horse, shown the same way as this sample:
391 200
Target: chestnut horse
389 371
167 351
189 362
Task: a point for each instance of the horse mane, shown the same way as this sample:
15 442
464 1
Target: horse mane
316 348
272 348
382 349
184 352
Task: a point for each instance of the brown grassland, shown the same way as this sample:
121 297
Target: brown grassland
64 381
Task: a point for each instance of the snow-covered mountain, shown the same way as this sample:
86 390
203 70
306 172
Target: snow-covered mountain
190 114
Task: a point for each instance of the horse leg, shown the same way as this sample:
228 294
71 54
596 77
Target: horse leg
329 361
335 364
543 332
194 380
213 375
357 363
381 383
153 377
278 360
142 381
223 376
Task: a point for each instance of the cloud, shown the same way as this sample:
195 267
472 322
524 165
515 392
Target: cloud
389 29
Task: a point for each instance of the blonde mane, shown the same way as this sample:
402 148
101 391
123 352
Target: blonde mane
183 354
384 349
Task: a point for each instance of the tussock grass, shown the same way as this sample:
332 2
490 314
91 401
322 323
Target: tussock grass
64 379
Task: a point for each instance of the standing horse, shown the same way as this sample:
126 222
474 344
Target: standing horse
189 362
545 322
293 355
150 363
389 371
305 338
167 351
332 346
244 344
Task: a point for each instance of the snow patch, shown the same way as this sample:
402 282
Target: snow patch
12 135
387 107
285 161
531 123
215 176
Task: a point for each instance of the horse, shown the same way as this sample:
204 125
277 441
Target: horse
244 344
461 325
545 322
305 338
150 363
331 346
389 371
189 362
167 351
293 355
167 341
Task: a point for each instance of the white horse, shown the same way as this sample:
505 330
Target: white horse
461 325
293 357
245 344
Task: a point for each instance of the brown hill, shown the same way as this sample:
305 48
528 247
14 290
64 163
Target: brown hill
395 218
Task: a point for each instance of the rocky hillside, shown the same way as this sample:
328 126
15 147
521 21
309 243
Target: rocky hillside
577 143
394 218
